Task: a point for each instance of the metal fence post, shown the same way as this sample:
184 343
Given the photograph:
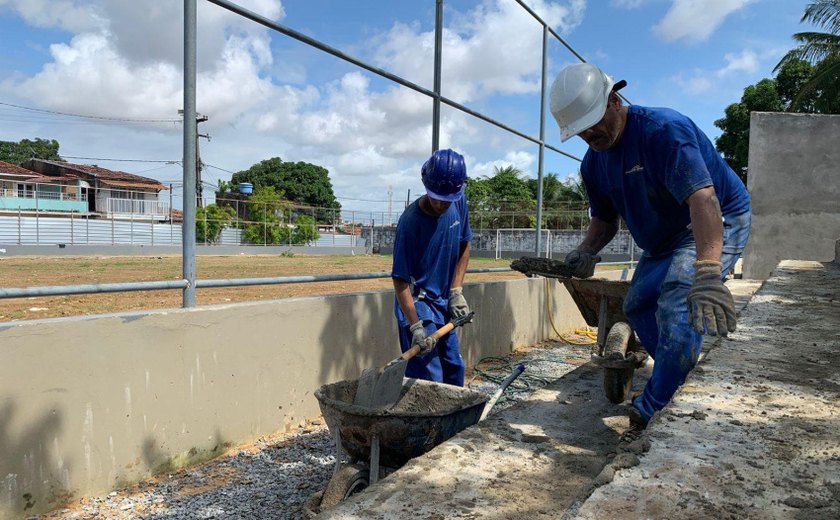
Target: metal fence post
131 229
71 228
112 230
37 220
19 226
152 226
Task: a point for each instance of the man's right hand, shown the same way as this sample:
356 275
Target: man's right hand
582 263
419 337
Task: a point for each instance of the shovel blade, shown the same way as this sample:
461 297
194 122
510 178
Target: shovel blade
388 386
366 387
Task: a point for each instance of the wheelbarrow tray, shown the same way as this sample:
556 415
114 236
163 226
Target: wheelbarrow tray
426 415
587 294
590 294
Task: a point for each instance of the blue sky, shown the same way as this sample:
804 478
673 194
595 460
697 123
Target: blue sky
267 95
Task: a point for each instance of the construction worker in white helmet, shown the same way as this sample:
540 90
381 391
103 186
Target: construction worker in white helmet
683 205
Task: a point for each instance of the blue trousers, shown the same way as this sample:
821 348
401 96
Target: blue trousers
444 364
656 306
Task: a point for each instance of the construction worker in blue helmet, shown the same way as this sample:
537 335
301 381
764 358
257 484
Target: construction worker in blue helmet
684 206
431 253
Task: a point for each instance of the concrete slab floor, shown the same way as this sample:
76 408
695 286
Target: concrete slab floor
534 460
755 431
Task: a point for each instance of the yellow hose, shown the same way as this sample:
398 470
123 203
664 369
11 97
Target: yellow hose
583 331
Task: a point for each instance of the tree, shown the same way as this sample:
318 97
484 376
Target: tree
305 230
564 203
16 153
502 200
822 50
734 141
302 182
267 224
210 221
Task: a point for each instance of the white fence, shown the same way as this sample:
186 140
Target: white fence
138 207
84 230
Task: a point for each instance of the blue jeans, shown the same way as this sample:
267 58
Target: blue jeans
444 364
656 306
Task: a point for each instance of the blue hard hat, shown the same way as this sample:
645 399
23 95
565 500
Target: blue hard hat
444 175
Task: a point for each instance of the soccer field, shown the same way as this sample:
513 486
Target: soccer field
44 270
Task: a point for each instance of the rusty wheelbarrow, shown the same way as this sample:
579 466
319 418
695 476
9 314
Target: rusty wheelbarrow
601 302
380 441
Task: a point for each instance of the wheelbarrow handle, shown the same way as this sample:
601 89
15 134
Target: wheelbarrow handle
446 329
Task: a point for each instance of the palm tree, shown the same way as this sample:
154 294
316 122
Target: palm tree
823 50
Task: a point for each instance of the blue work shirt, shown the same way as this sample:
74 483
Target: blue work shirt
426 250
661 159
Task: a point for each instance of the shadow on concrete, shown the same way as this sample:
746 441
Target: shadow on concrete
350 347
34 475
158 459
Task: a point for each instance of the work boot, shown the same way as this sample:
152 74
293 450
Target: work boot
637 426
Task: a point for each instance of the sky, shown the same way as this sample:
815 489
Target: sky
267 95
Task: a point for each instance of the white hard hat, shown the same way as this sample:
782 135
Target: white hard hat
578 98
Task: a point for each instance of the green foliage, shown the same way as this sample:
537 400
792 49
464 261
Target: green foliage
821 91
267 223
225 187
16 153
503 200
210 221
305 230
302 182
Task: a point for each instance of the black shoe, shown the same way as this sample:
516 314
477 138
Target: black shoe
637 426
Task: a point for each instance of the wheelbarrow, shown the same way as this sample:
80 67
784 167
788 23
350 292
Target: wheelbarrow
601 302
378 442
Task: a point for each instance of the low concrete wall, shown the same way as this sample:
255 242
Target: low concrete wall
87 404
794 187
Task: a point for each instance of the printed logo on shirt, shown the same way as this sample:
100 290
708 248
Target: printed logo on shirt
456 223
635 169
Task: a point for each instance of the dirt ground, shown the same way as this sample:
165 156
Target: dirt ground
44 271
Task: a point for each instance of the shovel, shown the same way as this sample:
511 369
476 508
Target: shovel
380 388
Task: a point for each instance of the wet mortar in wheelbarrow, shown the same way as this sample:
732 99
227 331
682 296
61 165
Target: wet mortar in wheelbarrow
377 442
601 303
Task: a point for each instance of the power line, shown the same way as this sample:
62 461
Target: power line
120 160
100 118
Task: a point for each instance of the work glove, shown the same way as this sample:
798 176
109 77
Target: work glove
582 263
457 303
711 308
419 337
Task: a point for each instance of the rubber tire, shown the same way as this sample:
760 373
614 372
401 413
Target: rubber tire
347 481
618 381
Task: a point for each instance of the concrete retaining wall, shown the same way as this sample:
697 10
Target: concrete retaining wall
795 188
87 404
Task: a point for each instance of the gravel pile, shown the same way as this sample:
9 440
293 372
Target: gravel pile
273 477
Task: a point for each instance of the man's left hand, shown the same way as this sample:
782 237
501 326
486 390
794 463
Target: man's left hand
457 303
711 308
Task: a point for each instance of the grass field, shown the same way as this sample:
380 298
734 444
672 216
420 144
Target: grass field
41 271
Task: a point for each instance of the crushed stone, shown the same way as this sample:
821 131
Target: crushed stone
273 477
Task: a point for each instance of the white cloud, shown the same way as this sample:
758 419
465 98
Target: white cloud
745 62
495 49
627 4
125 60
695 20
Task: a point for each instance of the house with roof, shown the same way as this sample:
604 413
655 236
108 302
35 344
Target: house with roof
22 189
109 193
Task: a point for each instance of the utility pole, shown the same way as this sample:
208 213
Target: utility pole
390 193
199 188
408 198
199 192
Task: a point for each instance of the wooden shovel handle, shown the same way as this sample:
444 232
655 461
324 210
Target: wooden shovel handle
410 353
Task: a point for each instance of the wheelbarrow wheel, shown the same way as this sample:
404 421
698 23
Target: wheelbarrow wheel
346 482
618 381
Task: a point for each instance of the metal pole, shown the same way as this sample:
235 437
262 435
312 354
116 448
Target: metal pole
542 139
353 228
189 165
438 59
152 226
19 226
71 228
37 220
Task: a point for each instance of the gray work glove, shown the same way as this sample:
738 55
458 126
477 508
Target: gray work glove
709 301
419 337
457 303
582 263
